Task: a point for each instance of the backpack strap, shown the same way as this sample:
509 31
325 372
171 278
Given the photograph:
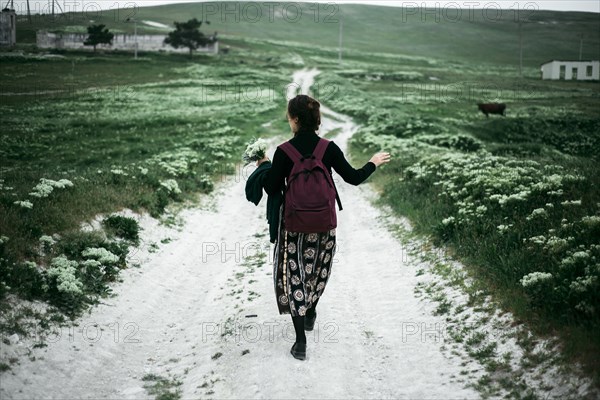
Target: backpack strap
295 155
319 151
291 151
337 196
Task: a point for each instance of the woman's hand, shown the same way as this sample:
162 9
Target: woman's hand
380 158
262 160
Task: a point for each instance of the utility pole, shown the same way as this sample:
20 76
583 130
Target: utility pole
12 6
520 46
135 36
53 1
341 33
580 46
136 41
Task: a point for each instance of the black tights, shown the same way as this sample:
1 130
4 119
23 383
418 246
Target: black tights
299 323
299 328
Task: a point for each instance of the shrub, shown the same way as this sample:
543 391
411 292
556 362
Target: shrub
63 285
459 142
24 276
390 122
570 134
86 264
539 286
123 227
530 224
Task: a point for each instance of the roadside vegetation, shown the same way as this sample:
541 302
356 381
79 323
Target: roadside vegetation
516 198
163 137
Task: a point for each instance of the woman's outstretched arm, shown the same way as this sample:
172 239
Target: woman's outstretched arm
347 172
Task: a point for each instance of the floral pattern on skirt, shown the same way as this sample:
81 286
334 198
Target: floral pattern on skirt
301 267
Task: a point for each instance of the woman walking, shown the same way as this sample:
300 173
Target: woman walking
303 260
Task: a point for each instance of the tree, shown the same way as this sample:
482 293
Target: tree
187 34
98 35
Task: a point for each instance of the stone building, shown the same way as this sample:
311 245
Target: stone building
8 27
64 40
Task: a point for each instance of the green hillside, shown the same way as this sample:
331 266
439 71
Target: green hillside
477 37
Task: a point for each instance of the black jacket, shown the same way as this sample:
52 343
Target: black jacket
271 176
254 193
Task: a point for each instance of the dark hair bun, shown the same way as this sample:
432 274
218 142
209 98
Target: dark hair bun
307 110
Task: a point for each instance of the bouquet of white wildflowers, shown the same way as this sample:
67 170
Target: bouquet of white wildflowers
255 150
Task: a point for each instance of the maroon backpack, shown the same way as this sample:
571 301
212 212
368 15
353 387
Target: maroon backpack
310 193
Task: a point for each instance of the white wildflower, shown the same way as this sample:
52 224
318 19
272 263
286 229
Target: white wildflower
581 255
24 203
537 239
64 270
502 229
448 221
2 187
171 185
535 278
118 171
574 259
255 150
555 244
91 263
30 264
46 240
583 283
520 196
175 167
100 254
537 213
591 220
46 186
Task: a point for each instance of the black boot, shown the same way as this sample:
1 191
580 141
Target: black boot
298 350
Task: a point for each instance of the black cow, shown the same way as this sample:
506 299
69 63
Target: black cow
492 108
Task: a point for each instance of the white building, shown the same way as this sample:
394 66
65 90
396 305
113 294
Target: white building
51 40
8 27
567 70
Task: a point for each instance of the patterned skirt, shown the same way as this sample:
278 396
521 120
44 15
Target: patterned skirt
301 267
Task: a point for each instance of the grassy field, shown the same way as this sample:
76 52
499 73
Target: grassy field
110 133
516 198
